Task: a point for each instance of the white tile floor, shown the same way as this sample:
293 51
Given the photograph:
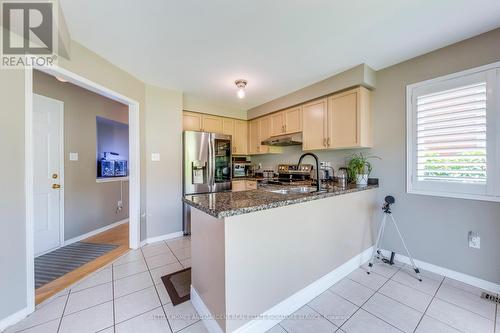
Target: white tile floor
125 296
128 296
391 299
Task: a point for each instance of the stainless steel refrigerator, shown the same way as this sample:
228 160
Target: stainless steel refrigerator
207 166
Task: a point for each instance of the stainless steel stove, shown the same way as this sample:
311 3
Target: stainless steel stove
291 173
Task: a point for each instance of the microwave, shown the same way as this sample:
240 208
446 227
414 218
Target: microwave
239 169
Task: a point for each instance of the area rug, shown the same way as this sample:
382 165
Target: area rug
55 264
178 285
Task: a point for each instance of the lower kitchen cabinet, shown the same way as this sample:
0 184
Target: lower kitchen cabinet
243 185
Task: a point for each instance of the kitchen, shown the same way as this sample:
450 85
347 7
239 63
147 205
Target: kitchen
290 169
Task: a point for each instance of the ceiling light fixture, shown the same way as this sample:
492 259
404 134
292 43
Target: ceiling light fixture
241 84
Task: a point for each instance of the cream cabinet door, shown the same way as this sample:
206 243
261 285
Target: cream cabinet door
240 137
253 136
251 185
277 123
264 133
212 124
293 120
228 126
343 120
238 185
191 121
314 123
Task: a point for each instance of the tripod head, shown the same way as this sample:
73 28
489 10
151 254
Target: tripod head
389 200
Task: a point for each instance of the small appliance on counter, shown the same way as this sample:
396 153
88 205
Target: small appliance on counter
110 165
242 167
342 177
326 171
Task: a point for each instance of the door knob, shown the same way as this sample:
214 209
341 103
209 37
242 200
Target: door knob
56 186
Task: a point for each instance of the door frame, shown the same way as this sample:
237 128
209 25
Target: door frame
134 163
61 178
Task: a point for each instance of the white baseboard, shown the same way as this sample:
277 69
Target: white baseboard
472 280
288 306
95 232
13 319
211 324
162 238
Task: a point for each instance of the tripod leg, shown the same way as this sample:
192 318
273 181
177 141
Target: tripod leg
415 268
377 243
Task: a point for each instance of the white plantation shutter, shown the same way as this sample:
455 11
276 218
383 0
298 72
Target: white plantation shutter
452 125
451 135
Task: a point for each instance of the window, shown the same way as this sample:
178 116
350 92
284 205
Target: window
452 126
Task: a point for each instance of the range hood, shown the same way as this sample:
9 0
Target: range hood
284 140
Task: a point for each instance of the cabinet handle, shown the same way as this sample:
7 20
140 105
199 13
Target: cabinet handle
328 142
324 142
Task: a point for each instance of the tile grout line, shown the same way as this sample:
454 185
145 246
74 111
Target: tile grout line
62 314
376 291
156 290
428 305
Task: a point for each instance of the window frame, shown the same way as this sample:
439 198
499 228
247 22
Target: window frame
491 190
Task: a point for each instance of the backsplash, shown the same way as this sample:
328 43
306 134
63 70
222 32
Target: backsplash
291 154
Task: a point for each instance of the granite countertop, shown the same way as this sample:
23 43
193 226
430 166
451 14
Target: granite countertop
225 204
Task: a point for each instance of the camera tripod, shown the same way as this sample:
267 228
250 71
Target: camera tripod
389 200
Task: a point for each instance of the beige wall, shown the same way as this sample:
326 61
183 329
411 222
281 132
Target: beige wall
87 205
359 75
164 177
191 103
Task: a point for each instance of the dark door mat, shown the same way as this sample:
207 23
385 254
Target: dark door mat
178 285
55 264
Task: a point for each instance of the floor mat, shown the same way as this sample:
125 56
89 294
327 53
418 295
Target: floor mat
55 264
178 285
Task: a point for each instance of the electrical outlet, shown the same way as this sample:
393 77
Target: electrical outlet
119 206
474 240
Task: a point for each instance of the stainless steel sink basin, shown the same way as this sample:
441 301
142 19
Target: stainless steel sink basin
294 190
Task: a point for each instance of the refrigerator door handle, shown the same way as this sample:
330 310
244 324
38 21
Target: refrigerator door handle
212 160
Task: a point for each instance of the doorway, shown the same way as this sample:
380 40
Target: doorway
38 226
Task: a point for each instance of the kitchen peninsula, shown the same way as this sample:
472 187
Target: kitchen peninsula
259 255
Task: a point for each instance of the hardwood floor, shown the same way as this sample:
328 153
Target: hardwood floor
118 235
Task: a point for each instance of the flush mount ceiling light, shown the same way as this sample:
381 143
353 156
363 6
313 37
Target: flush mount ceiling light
241 84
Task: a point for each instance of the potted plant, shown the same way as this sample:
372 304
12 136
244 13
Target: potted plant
359 168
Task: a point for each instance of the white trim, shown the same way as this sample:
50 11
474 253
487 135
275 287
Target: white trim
471 280
211 324
28 170
13 318
162 238
455 190
289 305
94 232
113 179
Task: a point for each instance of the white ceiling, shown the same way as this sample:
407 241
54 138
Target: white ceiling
279 46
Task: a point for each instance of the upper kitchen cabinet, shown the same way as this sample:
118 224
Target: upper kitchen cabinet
253 136
293 120
277 123
286 122
349 119
314 121
192 121
212 124
264 133
228 126
240 137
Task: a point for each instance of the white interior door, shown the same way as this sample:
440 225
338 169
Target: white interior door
47 177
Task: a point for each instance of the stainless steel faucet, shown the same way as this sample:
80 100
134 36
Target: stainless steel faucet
318 181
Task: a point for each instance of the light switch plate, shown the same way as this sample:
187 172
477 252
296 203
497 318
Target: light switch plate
73 156
155 157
